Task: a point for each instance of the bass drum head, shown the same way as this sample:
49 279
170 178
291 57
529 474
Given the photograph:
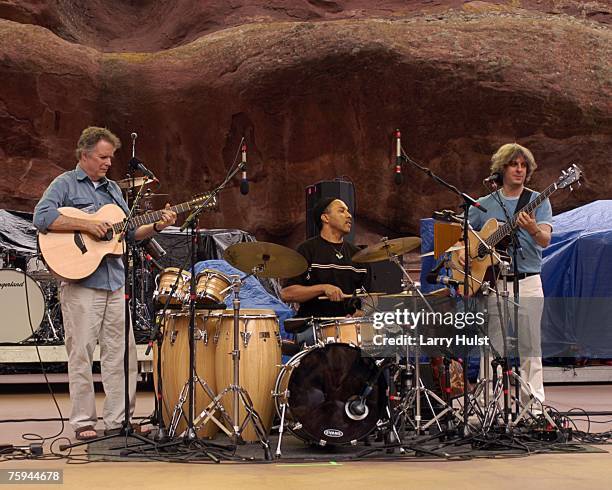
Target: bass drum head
22 304
319 388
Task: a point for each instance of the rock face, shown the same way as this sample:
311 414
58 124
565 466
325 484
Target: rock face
316 88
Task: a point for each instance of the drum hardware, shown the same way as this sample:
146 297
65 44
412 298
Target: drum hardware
240 396
392 250
246 336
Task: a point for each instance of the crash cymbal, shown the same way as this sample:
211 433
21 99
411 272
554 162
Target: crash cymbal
382 250
133 182
274 260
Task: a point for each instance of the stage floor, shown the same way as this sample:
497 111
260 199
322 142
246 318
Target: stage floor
541 471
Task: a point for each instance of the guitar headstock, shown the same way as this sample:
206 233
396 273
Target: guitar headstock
569 177
212 205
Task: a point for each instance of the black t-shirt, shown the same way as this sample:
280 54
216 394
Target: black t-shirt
330 263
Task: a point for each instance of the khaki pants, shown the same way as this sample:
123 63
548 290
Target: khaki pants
91 316
530 315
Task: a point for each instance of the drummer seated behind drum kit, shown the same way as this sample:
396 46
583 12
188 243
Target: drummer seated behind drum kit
331 392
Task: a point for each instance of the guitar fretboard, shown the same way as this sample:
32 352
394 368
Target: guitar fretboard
153 216
506 228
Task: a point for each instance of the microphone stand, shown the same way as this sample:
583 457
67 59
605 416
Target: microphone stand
467 202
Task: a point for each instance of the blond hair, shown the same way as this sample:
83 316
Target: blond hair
506 155
91 136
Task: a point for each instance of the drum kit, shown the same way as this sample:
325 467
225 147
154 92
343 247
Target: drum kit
330 393
29 300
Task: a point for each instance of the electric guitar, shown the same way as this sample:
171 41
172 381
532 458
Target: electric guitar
492 234
75 255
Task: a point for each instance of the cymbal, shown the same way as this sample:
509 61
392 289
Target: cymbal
133 182
382 250
275 260
438 293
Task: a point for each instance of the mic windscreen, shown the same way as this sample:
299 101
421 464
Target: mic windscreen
244 187
399 178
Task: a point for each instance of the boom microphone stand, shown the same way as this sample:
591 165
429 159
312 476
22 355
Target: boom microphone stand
467 203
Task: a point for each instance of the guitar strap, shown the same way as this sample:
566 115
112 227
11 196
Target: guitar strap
522 202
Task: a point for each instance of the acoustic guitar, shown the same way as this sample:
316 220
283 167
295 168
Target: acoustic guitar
492 233
75 255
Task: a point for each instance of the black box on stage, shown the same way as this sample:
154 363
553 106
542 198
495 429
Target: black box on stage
339 189
386 277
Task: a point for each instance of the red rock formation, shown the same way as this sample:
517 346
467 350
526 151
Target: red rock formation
315 99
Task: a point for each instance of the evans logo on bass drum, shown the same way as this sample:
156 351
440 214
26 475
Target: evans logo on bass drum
333 433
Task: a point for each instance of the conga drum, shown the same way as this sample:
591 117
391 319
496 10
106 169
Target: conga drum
175 368
260 358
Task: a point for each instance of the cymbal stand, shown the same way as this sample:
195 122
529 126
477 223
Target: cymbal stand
418 386
239 394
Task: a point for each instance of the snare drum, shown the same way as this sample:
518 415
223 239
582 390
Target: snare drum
22 304
175 367
211 287
316 387
356 331
164 282
260 358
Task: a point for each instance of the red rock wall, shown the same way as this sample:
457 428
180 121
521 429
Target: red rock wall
315 99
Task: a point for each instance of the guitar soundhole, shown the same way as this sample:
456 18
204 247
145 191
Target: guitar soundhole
482 251
78 241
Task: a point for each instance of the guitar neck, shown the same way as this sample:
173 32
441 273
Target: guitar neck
506 228
153 216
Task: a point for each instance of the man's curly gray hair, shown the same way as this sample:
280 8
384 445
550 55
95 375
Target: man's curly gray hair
507 153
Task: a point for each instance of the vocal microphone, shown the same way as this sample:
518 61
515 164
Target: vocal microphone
134 136
495 178
399 178
244 182
136 164
447 281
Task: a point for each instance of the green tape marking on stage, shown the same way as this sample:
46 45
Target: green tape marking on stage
330 463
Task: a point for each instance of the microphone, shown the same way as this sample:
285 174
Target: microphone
356 409
447 281
432 275
134 136
136 164
244 182
399 178
495 178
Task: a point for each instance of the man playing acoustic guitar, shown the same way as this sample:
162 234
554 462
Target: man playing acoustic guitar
93 308
516 165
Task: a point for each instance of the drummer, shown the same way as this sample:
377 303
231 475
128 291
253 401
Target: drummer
331 272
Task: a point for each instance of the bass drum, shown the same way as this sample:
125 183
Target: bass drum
22 304
316 384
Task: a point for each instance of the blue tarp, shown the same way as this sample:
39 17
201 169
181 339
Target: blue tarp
252 293
576 274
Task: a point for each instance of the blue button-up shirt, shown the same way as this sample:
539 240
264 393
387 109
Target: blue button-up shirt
75 189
